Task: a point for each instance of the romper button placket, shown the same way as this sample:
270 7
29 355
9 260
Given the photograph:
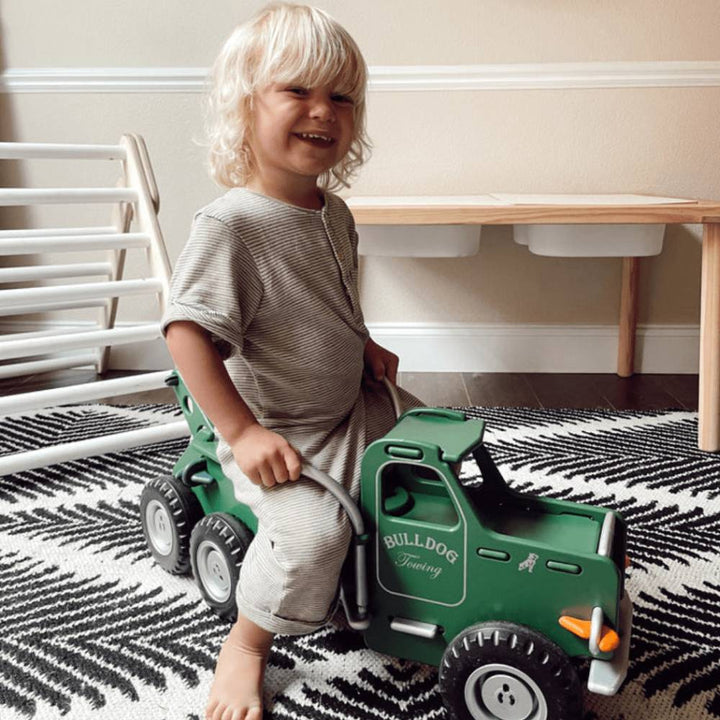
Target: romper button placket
346 277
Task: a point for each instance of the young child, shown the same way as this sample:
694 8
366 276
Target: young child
265 326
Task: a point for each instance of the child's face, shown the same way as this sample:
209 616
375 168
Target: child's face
300 132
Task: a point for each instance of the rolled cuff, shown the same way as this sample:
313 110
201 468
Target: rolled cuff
224 334
280 625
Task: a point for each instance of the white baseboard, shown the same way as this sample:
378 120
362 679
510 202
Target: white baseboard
476 347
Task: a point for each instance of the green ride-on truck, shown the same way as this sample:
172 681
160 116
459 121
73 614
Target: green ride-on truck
503 591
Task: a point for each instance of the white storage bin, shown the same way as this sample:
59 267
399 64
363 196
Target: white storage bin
419 240
591 240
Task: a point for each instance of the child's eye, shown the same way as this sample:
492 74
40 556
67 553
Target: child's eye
344 99
297 90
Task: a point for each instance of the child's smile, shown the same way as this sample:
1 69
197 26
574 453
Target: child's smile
316 139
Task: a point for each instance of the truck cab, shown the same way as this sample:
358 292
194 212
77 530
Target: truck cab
446 556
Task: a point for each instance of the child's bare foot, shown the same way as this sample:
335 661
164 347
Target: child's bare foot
237 689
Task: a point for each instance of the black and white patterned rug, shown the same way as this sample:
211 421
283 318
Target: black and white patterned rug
92 628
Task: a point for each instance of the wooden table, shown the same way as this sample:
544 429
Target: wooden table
397 212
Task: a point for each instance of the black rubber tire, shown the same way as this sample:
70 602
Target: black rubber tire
182 511
549 675
217 548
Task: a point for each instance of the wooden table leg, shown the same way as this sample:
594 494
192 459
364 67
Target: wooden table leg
628 317
709 400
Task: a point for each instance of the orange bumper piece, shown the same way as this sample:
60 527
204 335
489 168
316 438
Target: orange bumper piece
609 639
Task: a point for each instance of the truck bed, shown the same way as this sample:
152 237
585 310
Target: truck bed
566 531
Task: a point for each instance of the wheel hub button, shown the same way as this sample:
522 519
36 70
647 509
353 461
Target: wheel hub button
507 697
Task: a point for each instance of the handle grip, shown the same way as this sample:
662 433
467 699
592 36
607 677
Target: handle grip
358 617
394 397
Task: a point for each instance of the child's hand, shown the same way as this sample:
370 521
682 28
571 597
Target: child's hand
379 362
265 457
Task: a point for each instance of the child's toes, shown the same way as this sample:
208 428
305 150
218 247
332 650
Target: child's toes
254 713
218 711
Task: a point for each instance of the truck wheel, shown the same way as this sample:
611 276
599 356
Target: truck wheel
217 548
504 671
168 512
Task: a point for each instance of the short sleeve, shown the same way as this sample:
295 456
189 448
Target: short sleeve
215 284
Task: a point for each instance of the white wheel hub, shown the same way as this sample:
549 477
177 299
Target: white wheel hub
502 692
214 571
159 526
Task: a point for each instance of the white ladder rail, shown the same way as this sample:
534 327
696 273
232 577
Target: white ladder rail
31 334
122 219
57 151
16 404
24 402
49 307
66 452
33 367
61 196
146 215
88 291
144 158
19 245
57 232
73 341
53 272
136 198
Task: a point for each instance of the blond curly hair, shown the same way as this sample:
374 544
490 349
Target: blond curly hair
283 43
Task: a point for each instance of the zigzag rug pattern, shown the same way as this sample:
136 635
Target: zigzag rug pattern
92 628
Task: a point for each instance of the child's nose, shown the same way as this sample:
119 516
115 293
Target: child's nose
322 109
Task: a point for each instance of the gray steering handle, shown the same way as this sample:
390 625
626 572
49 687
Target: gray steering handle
394 397
357 617
342 495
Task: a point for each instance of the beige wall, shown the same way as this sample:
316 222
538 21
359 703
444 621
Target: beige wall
45 33
640 140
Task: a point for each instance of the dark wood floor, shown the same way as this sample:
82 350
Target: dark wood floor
538 390
550 390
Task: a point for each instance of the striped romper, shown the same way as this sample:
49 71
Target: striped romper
276 287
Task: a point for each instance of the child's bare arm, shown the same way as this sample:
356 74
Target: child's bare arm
264 456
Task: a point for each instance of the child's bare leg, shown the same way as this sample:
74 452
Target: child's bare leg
238 683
